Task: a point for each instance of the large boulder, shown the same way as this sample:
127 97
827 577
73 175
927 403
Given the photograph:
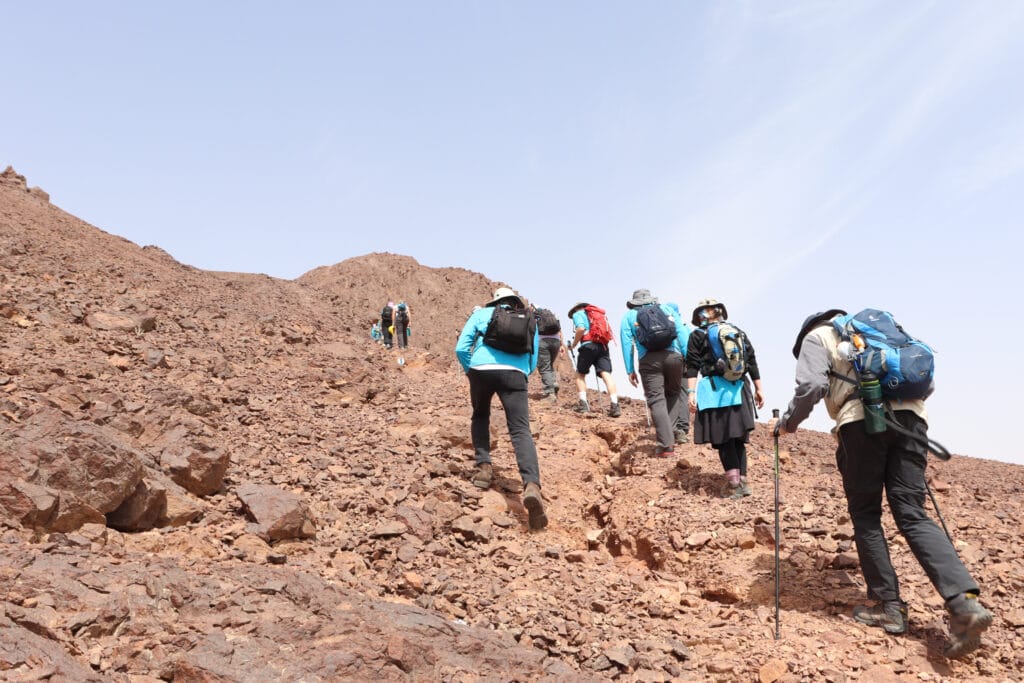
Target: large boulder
277 514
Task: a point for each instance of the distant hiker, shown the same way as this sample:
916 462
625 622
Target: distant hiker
593 334
387 319
658 334
402 325
375 334
550 330
888 461
724 408
500 364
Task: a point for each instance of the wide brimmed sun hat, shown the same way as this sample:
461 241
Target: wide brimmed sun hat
705 303
641 297
812 322
578 306
502 293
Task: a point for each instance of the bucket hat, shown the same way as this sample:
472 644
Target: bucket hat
502 293
641 297
812 322
704 303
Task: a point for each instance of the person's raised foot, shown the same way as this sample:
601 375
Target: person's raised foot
968 619
615 410
582 407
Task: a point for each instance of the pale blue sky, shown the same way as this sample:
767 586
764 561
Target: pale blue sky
782 157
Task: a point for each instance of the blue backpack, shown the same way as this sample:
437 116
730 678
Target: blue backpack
904 365
654 329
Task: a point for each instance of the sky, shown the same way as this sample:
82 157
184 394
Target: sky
784 157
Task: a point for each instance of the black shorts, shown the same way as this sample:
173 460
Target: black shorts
593 355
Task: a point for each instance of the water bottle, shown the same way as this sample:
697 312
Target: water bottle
874 406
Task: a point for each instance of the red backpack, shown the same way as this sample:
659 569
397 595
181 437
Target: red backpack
600 331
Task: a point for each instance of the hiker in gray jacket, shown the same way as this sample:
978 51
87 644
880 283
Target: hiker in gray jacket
870 464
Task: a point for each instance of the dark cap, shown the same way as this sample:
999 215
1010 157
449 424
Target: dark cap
812 322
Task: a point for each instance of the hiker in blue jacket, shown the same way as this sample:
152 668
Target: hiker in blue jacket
723 409
493 371
660 369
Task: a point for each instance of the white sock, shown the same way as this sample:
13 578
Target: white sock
614 398
583 396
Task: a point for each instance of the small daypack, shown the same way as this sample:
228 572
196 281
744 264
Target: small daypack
729 345
904 365
385 314
654 328
511 330
403 313
600 330
547 322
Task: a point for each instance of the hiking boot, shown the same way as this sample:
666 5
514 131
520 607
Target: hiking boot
745 487
732 491
484 475
967 620
658 453
890 615
582 407
682 437
550 398
534 504
615 410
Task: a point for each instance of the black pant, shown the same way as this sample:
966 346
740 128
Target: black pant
510 386
385 332
733 455
870 463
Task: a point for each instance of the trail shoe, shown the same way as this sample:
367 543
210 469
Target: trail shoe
658 453
615 410
534 504
551 398
682 437
745 487
967 620
484 475
582 407
890 615
732 491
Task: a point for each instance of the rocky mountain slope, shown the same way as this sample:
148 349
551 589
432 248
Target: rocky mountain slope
220 477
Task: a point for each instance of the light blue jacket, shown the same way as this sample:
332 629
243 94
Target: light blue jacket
472 354
627 336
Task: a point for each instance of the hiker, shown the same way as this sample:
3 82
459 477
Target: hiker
593 334
682 425
402 325
387 316
550 330
721 401
501 364
870 463
657 332
375 334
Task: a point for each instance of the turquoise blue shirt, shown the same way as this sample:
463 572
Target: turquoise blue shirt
627 335
470 357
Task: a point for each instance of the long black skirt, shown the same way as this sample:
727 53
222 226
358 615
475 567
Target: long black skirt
719 425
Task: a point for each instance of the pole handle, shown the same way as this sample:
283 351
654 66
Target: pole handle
775 413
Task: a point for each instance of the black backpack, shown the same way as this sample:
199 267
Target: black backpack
654 329
511 331
403 314
547 322
385 315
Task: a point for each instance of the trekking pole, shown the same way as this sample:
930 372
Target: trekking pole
935 504
778 624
